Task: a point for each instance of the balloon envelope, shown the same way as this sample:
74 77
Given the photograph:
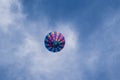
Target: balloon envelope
54 41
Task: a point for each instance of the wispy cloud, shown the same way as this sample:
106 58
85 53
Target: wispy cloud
102 48
79 60
10 14
43 62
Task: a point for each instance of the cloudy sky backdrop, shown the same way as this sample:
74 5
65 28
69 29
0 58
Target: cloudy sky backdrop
91 30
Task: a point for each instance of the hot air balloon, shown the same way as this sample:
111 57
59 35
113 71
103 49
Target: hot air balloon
54 41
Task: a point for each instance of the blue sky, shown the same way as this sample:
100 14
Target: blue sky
91 30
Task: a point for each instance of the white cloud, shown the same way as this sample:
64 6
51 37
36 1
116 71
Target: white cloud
47 63
10 14
33 56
